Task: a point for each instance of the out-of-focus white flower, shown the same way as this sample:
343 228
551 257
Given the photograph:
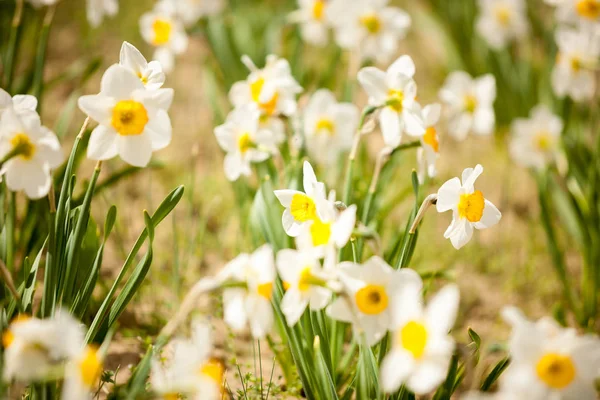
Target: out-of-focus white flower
271 89
549 362
190 371
82 374
34 347
243 141
162 29
150 73
312 19
502 21
470 104
370 27
469 208
536 140
429 151
37 152
397 90
328 126
304 282
190 11
41 3
371 291
421 348
301 207
252 303
133 122
578 52
572 11
98 9
20 103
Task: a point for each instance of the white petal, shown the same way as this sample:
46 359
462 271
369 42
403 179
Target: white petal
293 306
136 150
373 82
391 127
234 311
427 376
395 368
309 178
462 235
469 176
131 58
158 130
343 227
403 65
119 82
339 310
448 195
24 102
99 107
103 143
491 216
441 310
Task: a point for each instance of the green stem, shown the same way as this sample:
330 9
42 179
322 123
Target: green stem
12 44
40 59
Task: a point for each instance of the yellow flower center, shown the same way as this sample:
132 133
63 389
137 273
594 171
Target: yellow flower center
589 9
556 370
170 396
265 290
503 14
325 125
371 299
542 141
317 10
303 208
129 117
214 369
320 232
470 102
471 206
245 143
305 279
268 107
413 337
371 22
395 99
90 366
576 64
143 78
162 31
22 144
431 139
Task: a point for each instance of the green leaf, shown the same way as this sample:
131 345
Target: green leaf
495 374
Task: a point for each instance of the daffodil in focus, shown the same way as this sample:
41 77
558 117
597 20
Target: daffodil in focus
421 346
576 61
577 11
370 27
469 208
191 371
20 103
133 121
162 29
429 151
502 21
371 291
98 9
548 361
271 89
34 348
150 73
304 281
243 141
396 90
301 207
328 126
82 374
469 104
535 141
312 17
35 149
250 303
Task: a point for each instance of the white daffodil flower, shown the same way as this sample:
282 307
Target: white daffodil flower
304 282
311 16
370 296
162 29
133 122
20 103
37 153
190 11
536 140
469 208
271 89
150 73
301 207
548 361
82 375
328 126
34 347
98 9
370 27
252 303
191 370
502 21
429 151
577 11
397 90
243 141
470 104
421 346
578 52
